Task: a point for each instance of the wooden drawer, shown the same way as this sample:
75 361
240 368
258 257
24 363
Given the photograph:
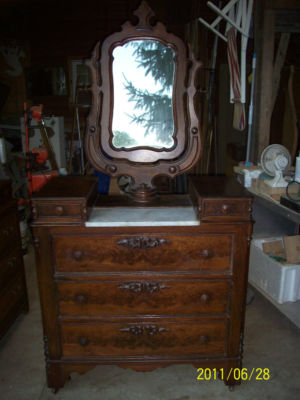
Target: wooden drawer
10 265
64 199
144 339
8 230
57 210
137 297
226 208
78 253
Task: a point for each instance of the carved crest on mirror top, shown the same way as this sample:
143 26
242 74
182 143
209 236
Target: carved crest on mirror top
154 130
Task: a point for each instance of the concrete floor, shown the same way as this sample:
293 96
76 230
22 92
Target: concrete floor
271 341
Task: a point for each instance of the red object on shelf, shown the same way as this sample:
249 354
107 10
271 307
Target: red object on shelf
39 179
42 154
36 112
29 180
36 179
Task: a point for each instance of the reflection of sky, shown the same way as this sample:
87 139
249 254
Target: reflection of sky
124 64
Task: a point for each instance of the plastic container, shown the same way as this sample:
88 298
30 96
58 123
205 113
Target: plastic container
279 280
103 182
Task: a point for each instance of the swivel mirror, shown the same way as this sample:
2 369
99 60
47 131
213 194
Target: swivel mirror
143 80
142 121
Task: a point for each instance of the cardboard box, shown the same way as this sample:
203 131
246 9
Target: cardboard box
279 280
263 188
292 249
275 248
286 249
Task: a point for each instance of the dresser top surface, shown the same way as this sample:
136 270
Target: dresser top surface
79 187
65 187
218 186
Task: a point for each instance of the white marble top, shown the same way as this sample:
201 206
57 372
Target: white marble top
158 216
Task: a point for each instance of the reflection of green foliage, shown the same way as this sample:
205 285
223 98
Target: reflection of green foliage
157 59
156 108
123 139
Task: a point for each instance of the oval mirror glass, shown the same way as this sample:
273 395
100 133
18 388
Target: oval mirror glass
143 80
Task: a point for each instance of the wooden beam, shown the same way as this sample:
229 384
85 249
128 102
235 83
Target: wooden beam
279 62
264 33
284 4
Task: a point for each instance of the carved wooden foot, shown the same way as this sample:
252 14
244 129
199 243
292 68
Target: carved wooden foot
56 377
231 377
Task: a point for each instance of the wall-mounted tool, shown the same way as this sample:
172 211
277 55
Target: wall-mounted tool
36 158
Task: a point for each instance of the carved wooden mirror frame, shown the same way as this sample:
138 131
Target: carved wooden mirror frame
142 163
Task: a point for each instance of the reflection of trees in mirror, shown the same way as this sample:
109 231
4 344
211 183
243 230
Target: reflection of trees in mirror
157 59
156 108
123 139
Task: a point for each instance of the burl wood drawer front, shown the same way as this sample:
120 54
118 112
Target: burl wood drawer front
137 339
136 253
225 208
143 297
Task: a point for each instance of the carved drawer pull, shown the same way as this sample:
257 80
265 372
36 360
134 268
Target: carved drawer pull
134 330
204 339
77 254
205 298
59 210
139 287
80 298
83 341
142 242
150 330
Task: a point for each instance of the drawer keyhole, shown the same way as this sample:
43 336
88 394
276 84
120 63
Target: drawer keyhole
83 341
225 208
207 253
59 210
80 298
204 298
204 339
77 254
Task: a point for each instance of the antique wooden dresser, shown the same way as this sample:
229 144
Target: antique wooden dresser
13 293
142 280
142 295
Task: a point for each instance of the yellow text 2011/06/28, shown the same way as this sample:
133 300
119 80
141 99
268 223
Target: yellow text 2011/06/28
258 374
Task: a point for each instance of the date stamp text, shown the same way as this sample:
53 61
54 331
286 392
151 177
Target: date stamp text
243 374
